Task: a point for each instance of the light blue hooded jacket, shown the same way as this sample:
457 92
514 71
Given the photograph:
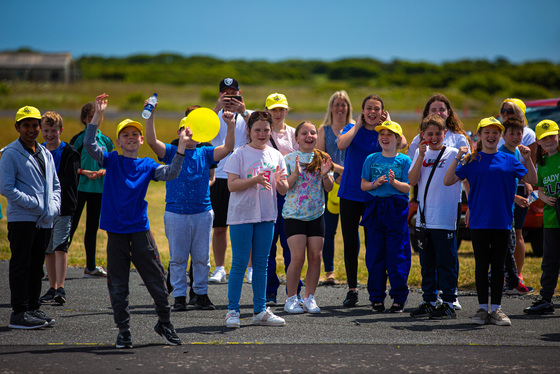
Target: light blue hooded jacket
31 196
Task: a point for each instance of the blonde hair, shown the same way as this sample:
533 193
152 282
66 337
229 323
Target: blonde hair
344 96
52 118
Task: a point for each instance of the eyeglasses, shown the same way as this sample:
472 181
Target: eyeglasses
508 111
257 115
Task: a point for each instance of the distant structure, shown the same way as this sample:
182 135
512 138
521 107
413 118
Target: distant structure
37 67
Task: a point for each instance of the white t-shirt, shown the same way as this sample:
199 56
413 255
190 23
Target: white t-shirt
255 204
285 141
451 139
240 139
528 138
441 202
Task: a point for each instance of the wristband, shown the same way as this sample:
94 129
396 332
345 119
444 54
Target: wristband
457 159
180 154
80 171
372 185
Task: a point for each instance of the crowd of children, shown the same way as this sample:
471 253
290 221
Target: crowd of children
273 182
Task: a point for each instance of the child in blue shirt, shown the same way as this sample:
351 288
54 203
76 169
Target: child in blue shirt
124 216
385 179
188 212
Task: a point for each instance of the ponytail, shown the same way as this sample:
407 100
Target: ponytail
474 155
315 164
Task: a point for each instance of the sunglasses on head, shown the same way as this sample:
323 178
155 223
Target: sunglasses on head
508 111
257 115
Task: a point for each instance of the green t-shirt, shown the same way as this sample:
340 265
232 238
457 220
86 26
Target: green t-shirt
88 163
549 179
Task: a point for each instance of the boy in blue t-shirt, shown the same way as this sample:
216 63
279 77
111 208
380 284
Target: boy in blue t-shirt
188 212
124 216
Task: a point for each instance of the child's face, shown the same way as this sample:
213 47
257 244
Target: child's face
28 129
51 133
372 112
307 137
512 137
388 140
339 110
434 137
278 115
490 135
260 134
130 139
549 144
439 108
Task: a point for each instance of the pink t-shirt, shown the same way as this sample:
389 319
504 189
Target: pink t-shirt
255 204
285 141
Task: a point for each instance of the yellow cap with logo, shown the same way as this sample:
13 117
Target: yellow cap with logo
128 123
28 112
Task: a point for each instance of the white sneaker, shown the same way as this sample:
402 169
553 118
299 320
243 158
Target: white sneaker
232 319
292 305
267 318
310 306
219 275
456 305
249 275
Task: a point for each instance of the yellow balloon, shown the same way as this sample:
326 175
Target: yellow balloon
204 124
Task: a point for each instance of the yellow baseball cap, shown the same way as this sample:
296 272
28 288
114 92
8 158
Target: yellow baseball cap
391 126
28 112
520 104
128 123
276 100
545 128
490 121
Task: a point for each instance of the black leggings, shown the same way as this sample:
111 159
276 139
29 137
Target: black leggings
350 214
92 223
490 248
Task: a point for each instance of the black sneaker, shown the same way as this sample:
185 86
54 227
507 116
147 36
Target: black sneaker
444 311
203 302
167 332
378 307
26 321
124 340
48 297
41 315
423 310
60 295
351 299
180 304
540 307
396 307
192 297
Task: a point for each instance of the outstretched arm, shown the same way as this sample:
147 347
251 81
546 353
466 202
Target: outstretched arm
225 149
156 145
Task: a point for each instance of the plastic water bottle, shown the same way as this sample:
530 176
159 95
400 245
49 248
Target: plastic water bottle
533 196
150 106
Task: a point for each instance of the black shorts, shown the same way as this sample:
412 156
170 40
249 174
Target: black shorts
308 228
520 213
219 195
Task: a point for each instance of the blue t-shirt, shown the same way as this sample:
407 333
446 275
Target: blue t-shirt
189 193
492 180
377 165
364 143
124 209
56 154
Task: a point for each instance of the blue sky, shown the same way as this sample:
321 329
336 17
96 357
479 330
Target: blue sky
422 30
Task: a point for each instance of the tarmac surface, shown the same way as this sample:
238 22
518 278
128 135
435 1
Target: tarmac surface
343 340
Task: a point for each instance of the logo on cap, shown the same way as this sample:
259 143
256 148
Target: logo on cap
276 98
26 110
228 81
545 126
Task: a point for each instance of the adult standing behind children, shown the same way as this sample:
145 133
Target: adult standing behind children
90 191
188 211
339 114
67 162
230 100
29 182
124 215
359 140
283 139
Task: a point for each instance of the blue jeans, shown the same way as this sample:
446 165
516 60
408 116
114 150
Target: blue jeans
247 237
331 224
272 281
440 257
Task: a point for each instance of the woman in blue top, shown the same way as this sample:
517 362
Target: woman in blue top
492 179
359 141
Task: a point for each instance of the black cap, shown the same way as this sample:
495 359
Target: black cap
229 82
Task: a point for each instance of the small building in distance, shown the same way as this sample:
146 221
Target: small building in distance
37 67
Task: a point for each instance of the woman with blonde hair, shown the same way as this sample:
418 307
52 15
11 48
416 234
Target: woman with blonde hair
339 114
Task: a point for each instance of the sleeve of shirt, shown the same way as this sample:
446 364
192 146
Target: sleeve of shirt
347 128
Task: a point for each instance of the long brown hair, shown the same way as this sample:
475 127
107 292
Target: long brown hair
318 156
453 122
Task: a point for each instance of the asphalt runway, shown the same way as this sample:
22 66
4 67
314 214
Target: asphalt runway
339 339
